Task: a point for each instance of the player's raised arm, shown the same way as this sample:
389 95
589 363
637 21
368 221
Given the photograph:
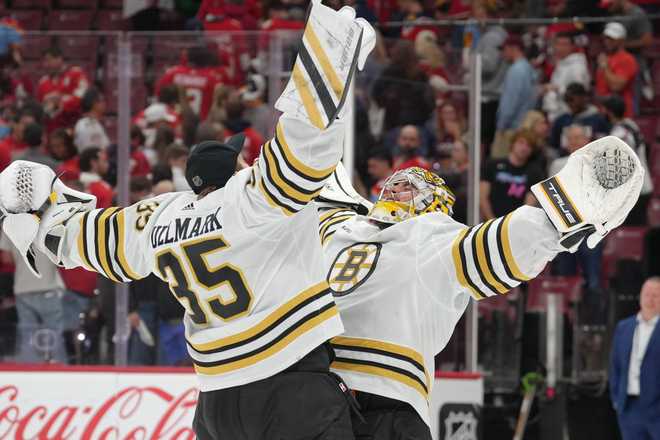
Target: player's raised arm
40 212
308 141
589 197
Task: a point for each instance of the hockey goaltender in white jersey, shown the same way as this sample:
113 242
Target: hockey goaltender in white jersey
241 253
403 274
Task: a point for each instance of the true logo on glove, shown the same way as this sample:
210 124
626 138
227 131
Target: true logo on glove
562 204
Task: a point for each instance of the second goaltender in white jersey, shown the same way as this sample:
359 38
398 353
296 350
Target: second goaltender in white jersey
244 261
401 290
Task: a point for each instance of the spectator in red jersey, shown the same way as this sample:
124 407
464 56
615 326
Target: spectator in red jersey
617 68
89 131
63 149
199 79
235 122
35 151
280 18
61 89
409 143
14 143
93 167
380 166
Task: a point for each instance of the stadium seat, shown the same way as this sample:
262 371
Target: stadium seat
110 20
570 288
79 47
69 20
112 4
29 19
34 46
30 4
654 212
77 4
648 128
623 243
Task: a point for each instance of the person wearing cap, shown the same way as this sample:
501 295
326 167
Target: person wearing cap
617 68
240 252
518 94
627 130
639 30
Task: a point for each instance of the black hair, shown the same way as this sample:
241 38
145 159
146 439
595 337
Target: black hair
382 154
87 156
33 134
576 89
54 52
91 97
168 95
615 105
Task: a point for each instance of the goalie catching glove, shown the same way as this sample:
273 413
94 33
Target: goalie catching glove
34 206
593 193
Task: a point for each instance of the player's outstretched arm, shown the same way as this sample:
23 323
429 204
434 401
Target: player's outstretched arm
40 212
308 141
589 197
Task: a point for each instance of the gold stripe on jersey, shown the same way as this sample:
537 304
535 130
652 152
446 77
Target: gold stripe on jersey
334 221
481 246
324 61
462 274
383 348
262 325
121 246
281 344
273 202
82 243
103 243
504 244
304 171
380 370
286 187
329 213
302 87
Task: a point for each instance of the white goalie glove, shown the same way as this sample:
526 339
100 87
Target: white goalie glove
34 206
593 193
339 191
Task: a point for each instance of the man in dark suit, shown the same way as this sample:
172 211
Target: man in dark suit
635 367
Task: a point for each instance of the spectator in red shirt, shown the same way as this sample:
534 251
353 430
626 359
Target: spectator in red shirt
199 79
14 143
409 143
63 149
380 167
61 89
235 122
617 68
93 166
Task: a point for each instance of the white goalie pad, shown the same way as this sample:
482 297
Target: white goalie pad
594 192
338 190
33 202
334 44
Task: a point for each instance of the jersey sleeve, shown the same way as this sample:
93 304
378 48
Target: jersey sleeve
331 219
293 167
493 257
112 241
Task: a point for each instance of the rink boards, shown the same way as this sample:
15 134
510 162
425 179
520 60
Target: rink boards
105 403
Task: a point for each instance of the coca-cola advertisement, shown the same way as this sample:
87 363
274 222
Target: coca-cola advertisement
121 404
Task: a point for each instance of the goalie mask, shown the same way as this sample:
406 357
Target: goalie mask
409 193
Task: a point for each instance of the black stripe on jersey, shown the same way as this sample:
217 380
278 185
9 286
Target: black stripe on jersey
341 212
384 366
500 249
291 183
96 238
109 259
86 244
466 273
477 265
327 237
293 168
115 234
334 221
281 336
490 264
283 318
269 175
275 200
386 353
319 85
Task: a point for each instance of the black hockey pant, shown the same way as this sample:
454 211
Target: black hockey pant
387 419
303 402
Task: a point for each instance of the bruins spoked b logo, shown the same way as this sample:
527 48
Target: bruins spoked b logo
353 265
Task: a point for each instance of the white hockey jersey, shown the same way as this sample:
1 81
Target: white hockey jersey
401 290
244 261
